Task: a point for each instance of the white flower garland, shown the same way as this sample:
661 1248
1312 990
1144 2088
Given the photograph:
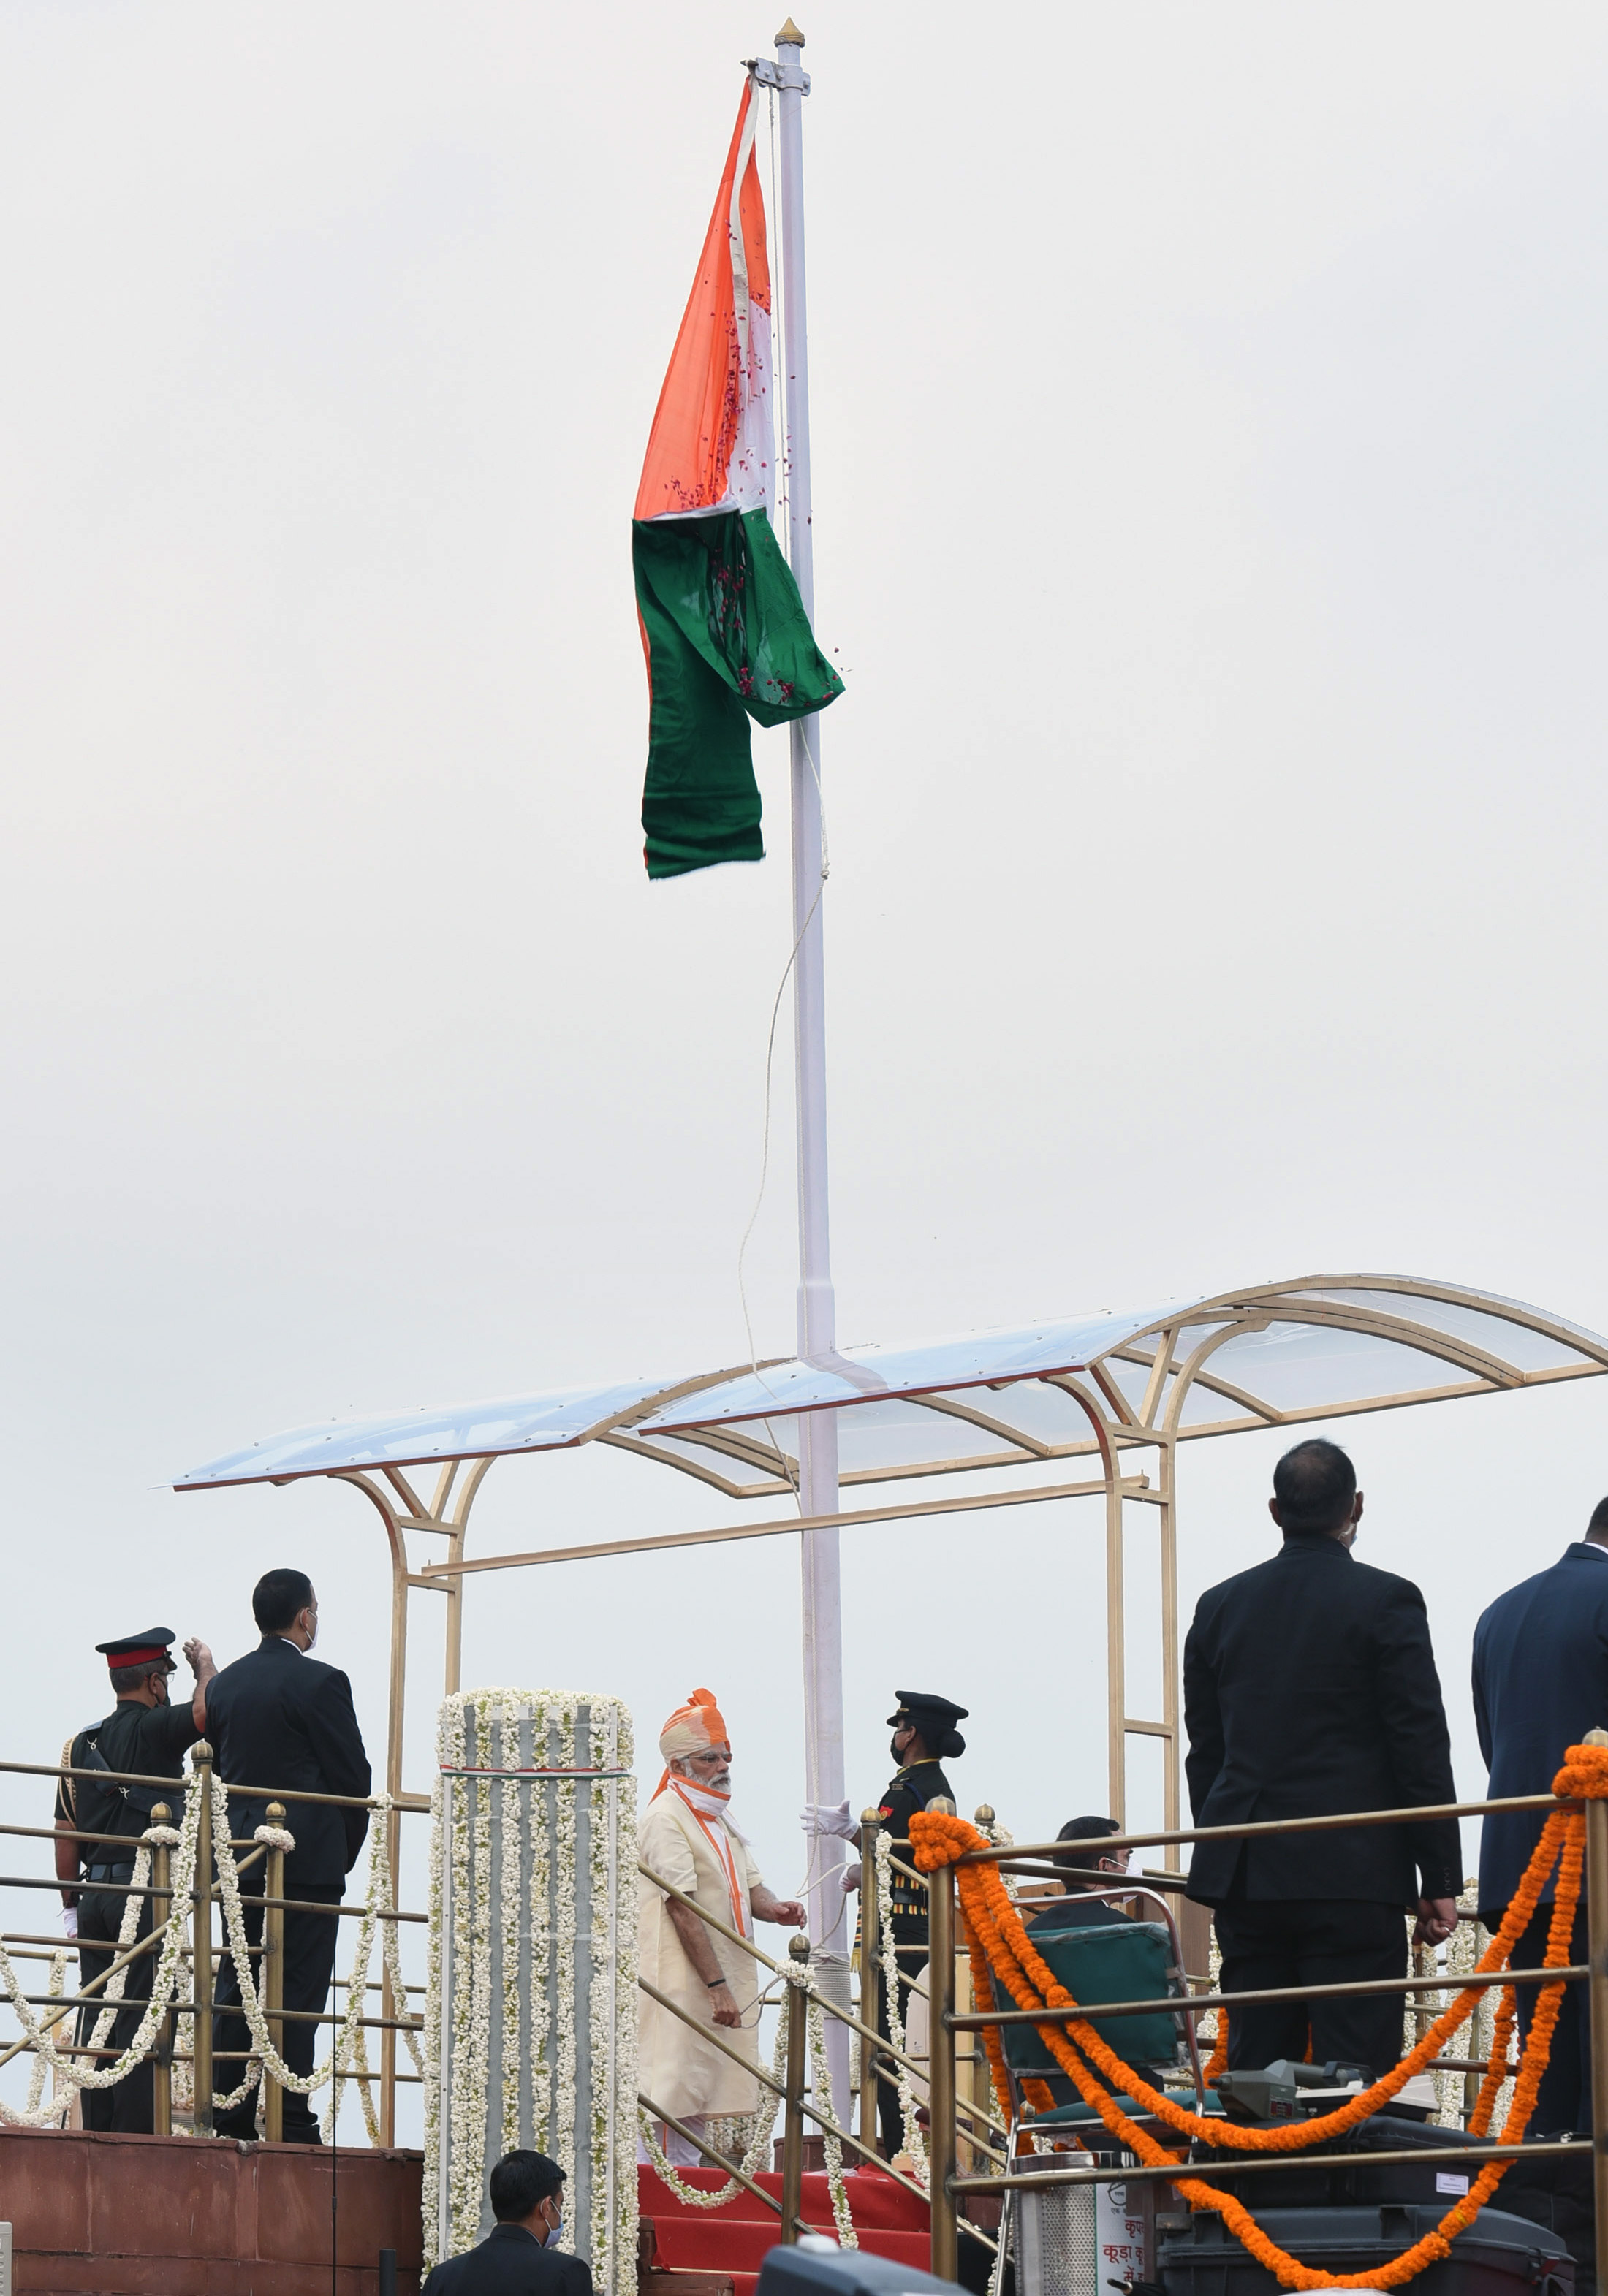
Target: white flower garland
821 2073
486 1912
62 2100
915 2145
350 2039
760 2126
162 1985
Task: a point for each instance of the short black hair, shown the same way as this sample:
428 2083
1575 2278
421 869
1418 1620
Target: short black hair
277 1597
519 2181
1599 1519
1315 1485
1083 1829
125 1678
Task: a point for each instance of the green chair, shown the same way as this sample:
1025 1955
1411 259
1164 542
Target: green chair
1130 1962
1119 1961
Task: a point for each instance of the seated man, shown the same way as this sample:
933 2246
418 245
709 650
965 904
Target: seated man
1084 1871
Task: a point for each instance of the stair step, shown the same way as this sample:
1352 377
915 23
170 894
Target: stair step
736 2238
723 2244
874 2199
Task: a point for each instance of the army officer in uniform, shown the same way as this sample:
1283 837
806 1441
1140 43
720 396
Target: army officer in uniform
924 1736
147 1733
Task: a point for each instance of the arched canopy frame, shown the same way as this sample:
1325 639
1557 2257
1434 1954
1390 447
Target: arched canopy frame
994 1409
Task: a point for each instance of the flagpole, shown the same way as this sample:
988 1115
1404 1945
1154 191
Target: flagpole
817 1313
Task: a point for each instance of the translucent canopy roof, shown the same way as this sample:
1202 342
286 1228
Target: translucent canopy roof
1269 1356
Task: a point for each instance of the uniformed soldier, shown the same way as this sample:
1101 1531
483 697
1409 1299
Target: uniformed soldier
924 1736
145 1733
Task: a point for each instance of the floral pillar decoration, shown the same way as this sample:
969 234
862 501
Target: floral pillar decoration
531 2016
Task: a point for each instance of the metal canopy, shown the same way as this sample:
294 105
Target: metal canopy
1268 1356
1097 1388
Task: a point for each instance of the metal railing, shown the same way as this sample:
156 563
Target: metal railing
950 2188
201 1949
983 2133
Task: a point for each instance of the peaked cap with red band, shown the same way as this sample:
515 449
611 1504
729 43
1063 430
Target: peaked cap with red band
139 1650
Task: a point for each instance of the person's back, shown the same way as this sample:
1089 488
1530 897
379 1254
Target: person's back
147 1735
1310 1690
515 2257
1541 1682
280 1720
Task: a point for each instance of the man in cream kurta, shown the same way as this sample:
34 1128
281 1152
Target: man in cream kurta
688 1839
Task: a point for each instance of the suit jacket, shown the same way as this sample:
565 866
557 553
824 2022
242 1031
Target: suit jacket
1309 1688
511 2262
277 1718
1540 1683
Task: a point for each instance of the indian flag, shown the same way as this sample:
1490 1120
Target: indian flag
723 627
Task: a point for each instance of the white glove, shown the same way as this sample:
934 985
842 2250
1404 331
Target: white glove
820 1817
849 1878
69 1920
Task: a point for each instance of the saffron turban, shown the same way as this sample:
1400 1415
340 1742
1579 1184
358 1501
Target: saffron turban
692 1728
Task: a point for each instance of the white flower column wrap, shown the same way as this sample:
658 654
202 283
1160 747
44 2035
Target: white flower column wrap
531 2017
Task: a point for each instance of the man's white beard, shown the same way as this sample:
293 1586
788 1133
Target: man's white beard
711 1801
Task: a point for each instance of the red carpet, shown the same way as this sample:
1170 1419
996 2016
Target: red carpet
735 2238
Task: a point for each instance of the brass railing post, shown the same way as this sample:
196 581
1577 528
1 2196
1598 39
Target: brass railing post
161 2050
941 2135
871 1972
200 1940
798 2065
1596 1932
272 1981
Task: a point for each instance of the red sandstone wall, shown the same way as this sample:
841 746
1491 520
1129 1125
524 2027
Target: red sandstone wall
175 2215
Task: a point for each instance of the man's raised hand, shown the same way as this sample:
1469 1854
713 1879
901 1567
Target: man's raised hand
787 1911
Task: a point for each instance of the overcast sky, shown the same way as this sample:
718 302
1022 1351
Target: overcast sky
1210 492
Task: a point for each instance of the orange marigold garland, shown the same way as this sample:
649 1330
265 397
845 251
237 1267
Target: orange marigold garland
1039 2093
993 1924
1217 2063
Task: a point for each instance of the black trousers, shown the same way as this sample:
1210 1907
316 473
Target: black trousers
1312 1941
129 2105
309 1965
890 2118
1564 2100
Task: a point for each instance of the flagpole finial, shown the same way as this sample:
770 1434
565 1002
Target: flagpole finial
790 36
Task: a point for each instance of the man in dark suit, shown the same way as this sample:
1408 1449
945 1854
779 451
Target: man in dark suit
520 2258
1540 1683
1309 1689
279 1718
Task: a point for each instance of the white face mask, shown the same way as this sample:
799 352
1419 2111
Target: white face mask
554 2231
